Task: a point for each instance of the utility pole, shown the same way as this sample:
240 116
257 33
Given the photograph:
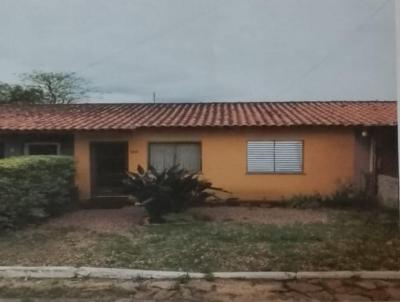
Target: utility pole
397 11
154 97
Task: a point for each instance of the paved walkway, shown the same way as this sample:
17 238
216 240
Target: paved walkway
200 290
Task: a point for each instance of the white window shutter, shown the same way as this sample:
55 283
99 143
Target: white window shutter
288 156
260 156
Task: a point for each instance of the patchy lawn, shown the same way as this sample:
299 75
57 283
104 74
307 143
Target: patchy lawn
293 240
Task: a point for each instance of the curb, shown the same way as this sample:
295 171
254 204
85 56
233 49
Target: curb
69 272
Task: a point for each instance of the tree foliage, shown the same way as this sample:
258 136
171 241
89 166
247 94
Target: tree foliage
57 87
17 94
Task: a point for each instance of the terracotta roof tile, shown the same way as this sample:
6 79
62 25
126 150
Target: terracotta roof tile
139 115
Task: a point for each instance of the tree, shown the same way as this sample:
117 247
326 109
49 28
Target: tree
57 87
17 94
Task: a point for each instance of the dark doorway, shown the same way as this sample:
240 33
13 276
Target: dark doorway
2 150
386 151
109 163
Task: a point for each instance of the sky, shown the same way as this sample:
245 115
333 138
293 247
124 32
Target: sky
206 50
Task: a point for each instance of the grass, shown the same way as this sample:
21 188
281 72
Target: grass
349 241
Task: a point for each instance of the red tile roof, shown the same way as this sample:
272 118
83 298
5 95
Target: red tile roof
137 115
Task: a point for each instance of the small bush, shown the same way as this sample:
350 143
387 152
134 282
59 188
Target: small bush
346 195
172 190
312 201
34 188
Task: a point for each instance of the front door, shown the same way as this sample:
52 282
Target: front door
109 164
2 150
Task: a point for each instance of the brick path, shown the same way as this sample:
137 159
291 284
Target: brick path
201 290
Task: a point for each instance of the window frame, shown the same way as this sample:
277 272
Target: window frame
274 172
149 143
27 145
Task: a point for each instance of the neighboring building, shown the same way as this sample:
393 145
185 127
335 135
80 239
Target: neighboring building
256 150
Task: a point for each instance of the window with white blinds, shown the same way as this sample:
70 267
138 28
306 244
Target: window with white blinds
275 156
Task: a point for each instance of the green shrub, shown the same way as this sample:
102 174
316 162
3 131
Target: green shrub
34 188
172 190
312 201
346 195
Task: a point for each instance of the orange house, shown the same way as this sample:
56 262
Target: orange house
257 150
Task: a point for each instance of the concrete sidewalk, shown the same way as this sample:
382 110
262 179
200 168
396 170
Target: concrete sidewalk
200 290
70 272
113 284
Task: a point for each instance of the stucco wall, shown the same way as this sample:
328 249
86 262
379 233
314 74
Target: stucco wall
328 157
388 191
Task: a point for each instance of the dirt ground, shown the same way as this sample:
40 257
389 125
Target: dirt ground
102 220
120 220
352 290
277 216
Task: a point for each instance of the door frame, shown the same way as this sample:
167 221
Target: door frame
93 165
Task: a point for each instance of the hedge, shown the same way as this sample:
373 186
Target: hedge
34 187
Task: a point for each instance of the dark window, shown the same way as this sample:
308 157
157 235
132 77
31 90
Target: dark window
166 155
42 149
